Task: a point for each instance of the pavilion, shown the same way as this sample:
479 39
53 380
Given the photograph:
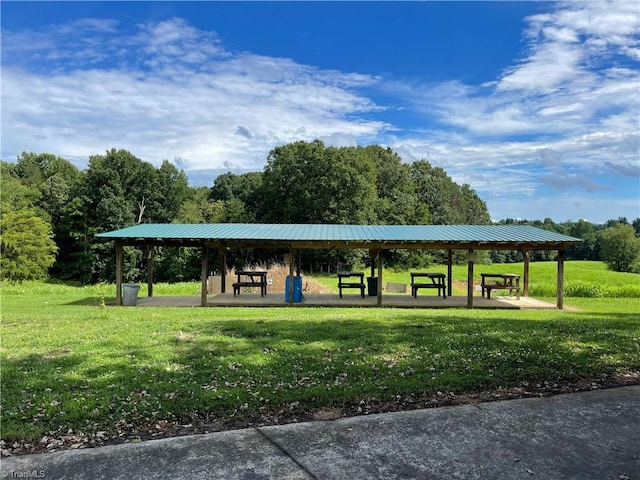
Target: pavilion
376 238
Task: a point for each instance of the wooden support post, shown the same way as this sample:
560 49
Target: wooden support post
560 287
291 272
205 268
372 257
223 269
449 272
149 254
119 262
379 301
470 279
525 276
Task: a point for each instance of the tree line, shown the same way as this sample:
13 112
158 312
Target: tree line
51 210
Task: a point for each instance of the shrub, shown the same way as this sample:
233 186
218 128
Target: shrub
585 290
542 290
620 248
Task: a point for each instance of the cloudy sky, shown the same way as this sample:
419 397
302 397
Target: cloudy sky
536 105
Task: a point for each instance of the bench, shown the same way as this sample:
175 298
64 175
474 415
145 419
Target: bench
343 281
252 279
436 281
503 281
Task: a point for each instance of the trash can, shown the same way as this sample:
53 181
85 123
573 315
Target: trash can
297 290
372 286
130 294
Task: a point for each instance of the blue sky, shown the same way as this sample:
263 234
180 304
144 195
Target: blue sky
536 105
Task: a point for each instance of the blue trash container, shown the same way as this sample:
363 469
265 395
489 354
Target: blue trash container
297 290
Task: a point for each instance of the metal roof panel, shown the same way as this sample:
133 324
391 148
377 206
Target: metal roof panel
340 233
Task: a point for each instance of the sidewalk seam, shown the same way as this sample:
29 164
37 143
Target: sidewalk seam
270 440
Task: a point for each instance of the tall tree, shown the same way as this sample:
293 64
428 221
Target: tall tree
119 190
241 196
27 248
15 195
474 209
57 181
54 177
448 202
197 208
309 183
397 200
588 249
115 184
620 248
174 186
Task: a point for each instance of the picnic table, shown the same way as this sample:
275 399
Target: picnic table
500 281
345 281
250 278
435 280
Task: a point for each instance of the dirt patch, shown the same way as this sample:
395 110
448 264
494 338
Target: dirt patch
276 274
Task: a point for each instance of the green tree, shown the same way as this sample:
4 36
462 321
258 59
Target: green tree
620 248
309 183
197 208
177 264
448 202
58 183
76 256
27 248
396 190
612 222
54 177
475 211
118 190
241 196
588 249
174 186
14 194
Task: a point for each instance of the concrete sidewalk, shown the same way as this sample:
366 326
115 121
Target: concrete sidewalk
591 435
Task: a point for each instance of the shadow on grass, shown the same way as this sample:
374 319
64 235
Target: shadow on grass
206 368
93 301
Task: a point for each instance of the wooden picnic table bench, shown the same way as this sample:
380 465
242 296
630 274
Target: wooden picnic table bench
436 280
343 281
503 281
250 279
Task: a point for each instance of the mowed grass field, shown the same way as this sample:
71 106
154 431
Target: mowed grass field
582 278
75 370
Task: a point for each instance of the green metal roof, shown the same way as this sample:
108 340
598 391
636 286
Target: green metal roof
362 234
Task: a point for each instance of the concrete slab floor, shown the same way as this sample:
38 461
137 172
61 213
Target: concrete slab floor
328 300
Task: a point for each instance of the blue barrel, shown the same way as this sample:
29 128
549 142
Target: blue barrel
297 290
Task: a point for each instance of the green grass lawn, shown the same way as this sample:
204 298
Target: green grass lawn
582 278
112 372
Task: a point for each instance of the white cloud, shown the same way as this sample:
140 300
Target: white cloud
563 117
501 168
594 207
572 79
546 69
566 116
183 96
